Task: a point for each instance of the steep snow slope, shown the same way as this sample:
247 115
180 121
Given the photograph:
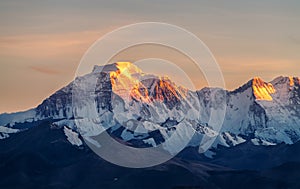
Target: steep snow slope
146 110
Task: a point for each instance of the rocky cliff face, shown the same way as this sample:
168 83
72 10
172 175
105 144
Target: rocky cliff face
143 109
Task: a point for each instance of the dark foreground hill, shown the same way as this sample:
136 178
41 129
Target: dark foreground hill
41 157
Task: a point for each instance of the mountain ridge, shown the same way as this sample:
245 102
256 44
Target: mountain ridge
255 111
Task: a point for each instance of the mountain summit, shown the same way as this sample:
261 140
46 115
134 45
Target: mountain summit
262 90
145 110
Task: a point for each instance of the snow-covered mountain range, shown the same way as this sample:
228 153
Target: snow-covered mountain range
146 110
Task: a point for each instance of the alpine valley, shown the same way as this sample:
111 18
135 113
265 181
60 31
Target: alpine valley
245 138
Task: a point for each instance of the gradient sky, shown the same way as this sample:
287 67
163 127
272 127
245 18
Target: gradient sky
42 42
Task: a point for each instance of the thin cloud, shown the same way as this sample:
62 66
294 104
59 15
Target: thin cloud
45 70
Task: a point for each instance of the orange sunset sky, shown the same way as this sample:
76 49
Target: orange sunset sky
42 42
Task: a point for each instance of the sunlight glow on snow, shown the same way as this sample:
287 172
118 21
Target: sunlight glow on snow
262 90
127 83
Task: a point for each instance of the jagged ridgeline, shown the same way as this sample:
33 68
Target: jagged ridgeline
144 110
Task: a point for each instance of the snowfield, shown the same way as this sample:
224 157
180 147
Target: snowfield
132 106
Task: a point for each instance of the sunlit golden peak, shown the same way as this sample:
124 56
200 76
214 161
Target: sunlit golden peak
258 81
128 82
123 65
262 90
123 79
292 83
126 69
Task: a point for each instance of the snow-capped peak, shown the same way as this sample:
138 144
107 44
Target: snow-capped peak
129 82
262 90
289 80
124 96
